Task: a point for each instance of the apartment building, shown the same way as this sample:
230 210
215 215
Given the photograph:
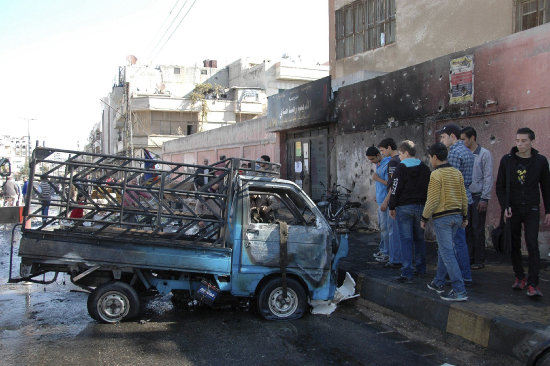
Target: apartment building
150 105
372 37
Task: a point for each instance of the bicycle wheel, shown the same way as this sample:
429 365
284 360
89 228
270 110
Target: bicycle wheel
351 217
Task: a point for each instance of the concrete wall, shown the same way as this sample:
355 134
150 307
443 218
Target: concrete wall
511 90
245 140
426 29
354 170
273 76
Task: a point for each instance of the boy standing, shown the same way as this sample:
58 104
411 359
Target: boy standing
447 203
461 158
482 183
409 191
381 180
388 148
529 177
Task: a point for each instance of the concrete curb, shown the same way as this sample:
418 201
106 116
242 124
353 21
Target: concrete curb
498 334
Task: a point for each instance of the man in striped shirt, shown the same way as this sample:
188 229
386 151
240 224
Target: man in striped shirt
447 203
461 158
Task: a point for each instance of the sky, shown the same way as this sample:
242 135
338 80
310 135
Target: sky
58 58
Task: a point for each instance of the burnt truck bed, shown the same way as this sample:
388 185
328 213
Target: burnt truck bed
55 250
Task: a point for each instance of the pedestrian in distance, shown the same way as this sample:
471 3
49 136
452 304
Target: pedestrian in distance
529 176
480 189
409 192
447 204
388 148
11 192
461 158
202 175
25 189
263 166
380 177
45 196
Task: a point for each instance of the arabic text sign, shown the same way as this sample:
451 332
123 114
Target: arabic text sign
462 79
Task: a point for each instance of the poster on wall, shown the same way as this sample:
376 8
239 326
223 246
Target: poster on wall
298 149
461 79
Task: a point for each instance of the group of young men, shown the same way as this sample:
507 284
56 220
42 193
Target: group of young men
455 196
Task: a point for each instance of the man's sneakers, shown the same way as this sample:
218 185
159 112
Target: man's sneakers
453 296
436 288
381 257
519 284
533 291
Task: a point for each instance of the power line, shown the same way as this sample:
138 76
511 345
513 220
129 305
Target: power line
171 34
165 21
167 29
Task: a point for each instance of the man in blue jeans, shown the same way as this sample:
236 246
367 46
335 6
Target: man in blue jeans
409 191
461 158
388 148
381 180
447 203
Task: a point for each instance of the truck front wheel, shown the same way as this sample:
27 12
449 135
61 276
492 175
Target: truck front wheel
273 306
113 302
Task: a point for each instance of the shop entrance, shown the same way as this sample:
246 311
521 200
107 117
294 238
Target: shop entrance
307 160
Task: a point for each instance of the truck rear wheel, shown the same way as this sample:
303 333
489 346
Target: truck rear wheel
272 305
113 302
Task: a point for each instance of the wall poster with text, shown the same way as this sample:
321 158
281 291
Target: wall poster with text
462 79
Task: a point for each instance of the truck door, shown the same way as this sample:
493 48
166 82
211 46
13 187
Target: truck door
309 236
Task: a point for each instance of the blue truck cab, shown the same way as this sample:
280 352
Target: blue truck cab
146 227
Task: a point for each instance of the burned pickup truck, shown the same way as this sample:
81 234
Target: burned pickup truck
121 227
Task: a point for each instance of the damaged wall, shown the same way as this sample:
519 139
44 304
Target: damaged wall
426 29
510 90
354 170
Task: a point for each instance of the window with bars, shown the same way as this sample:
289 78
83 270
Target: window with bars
364 25
531 13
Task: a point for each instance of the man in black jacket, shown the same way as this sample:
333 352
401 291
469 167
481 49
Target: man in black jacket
529 172
407 199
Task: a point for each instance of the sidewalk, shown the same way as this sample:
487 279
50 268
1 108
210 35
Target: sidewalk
495 316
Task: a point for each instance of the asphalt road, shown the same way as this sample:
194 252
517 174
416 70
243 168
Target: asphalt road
49 325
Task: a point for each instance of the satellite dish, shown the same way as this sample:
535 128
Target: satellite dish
131 59
161 87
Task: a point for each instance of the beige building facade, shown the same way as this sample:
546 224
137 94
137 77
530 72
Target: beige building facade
372 37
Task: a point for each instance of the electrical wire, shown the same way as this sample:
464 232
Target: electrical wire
171 34
167 29
164 22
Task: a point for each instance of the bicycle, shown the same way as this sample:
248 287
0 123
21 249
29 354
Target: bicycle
338 209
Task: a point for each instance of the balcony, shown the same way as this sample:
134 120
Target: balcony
249 107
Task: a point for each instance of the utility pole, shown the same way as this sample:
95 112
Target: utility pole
29 136
129 128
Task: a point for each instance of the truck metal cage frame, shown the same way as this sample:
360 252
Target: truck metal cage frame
130 199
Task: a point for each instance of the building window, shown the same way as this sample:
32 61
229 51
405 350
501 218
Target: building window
364 25
531 13
176 70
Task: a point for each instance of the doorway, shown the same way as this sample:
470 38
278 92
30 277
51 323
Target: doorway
307 161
